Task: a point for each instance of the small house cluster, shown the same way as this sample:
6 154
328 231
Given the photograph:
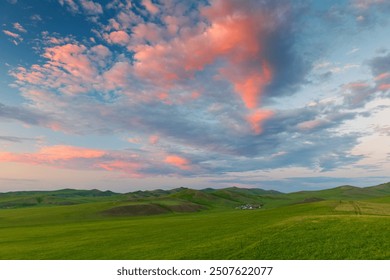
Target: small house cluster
248 207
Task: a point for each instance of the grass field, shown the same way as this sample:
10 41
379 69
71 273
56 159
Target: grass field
293 226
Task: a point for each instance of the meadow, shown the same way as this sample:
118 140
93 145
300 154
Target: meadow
340 223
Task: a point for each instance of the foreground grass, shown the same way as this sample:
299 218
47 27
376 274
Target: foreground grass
321 230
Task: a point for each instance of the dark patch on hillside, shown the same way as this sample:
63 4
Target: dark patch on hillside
311 199
136 210
187 207
152 209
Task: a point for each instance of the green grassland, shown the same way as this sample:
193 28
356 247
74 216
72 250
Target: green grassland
339 223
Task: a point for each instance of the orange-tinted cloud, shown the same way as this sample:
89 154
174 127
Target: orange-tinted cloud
130 168
257 118
71 157
250 83
52 154
382 76
236 34
384 87
178 161
61 152
126 162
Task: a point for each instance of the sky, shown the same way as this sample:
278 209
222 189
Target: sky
129 95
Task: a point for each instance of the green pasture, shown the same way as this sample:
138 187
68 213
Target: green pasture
329 229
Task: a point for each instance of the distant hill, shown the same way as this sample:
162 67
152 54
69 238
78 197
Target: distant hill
57 197
345 192
206 198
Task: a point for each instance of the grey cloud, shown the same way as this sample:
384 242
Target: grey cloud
17 180
15 139
380 64
22 114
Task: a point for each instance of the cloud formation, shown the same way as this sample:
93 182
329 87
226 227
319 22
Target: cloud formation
193 89
87 6
15 38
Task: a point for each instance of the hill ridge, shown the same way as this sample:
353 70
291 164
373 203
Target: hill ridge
230 197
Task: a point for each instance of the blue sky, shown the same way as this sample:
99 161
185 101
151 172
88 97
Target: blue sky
127 95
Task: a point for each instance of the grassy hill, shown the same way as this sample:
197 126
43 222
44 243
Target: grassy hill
212 198
59 197
340 223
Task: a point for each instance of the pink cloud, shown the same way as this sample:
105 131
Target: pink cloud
19 27
70 4
119 4
71 157
236 33
195 95
8 157
113 25
172 24
152 8
382 76
257 118
55 41
101 51
44 99
178 161
249 83
357 85
91 8
60 152
70 69
11 34
127 19
309 125
163 95
134 140
72 58
384 87
33 77
52 155
129 168
117 76
118 37
153 139
147 32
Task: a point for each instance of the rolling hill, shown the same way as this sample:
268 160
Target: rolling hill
340 223
209 198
